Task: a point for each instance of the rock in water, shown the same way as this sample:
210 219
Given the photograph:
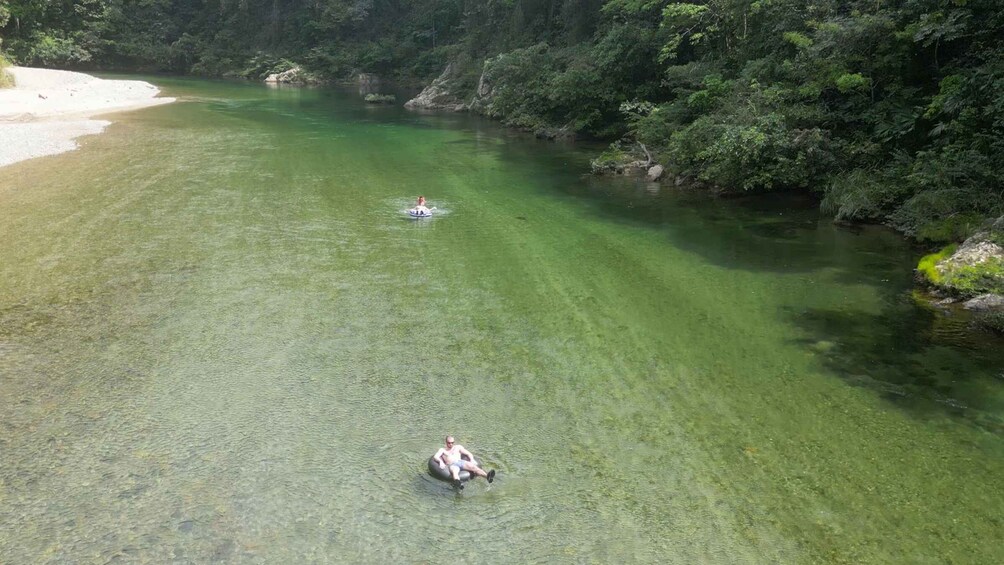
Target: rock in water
294 75
974 270
985 302
438 95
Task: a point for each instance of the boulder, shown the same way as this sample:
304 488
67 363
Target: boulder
438 95
483 95
293 75
974 251
985 302
973 270
655 172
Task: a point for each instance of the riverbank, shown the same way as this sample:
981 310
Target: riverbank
47 110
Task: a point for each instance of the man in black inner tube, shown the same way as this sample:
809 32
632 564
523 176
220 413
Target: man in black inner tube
451 457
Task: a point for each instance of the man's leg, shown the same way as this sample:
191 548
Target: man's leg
474 469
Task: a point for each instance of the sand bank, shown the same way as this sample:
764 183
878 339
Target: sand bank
47 110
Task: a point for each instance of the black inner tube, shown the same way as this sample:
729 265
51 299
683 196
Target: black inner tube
443 473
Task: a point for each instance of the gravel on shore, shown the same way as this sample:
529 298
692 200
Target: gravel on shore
47 110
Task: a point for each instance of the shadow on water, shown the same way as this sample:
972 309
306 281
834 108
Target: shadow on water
924 362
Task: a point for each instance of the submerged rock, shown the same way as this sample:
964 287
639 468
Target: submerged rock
554 134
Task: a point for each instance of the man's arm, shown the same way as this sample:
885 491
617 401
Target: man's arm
463 451
439 457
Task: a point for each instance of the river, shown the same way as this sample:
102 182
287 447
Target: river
221 340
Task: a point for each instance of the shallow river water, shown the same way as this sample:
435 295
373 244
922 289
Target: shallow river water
221 340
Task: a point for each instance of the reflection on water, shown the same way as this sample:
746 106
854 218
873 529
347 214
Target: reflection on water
221 340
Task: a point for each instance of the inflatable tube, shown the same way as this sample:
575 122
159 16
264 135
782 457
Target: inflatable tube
443 474
420 214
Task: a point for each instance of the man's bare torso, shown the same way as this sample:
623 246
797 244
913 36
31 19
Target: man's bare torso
451 455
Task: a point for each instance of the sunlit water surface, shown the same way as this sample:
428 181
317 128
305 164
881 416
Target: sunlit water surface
222 340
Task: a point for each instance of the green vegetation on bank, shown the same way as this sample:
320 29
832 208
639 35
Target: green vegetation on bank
972 280
888 111
928 264
965 281
6 80
975 268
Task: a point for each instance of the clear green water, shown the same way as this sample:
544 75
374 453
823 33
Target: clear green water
220 340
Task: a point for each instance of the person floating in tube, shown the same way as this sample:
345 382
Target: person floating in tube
421 209
452 457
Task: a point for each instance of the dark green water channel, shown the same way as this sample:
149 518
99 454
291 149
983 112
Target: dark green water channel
221 340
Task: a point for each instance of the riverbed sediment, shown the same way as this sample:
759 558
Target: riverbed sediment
47 110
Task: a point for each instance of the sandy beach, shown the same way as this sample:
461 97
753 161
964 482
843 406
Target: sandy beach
48 110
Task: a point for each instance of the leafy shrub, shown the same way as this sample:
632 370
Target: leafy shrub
213 64
54 51
653 125
995 231
429 63
946 196
860 194
711 96
329 61
520 82
761 153
797 39
6 79
850 82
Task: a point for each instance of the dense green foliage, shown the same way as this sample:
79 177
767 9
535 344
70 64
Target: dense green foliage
889 111
5 79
